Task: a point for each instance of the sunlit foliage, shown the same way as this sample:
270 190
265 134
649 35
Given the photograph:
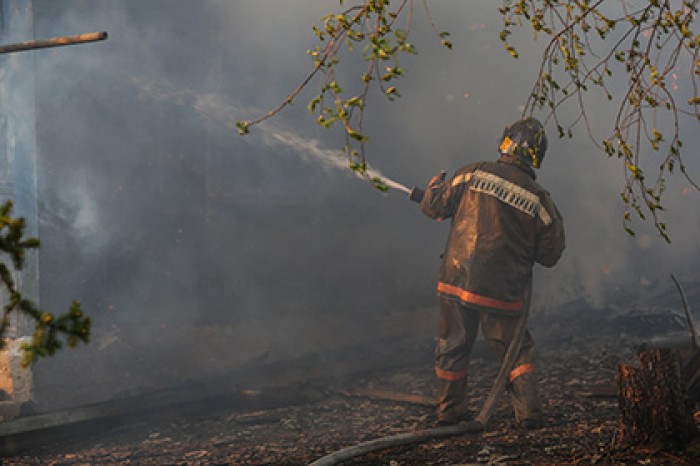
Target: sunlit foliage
644 43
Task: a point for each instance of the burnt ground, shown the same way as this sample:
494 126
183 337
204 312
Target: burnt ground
581 427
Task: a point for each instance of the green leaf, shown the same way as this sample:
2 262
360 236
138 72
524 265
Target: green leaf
313 103
392 93
379 184
355 135
243 127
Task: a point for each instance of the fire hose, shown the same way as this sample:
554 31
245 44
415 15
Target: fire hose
471 427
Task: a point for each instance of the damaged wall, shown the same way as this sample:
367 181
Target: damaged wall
196 250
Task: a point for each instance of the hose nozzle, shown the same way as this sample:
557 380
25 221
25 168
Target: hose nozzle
416 194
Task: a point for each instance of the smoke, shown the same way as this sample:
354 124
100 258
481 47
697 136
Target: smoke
212 111
196 250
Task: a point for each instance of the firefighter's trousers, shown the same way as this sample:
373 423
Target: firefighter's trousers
458 329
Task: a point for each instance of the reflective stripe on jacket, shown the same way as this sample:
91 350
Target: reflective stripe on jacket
503 222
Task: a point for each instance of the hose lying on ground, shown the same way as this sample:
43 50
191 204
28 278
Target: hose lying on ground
471 427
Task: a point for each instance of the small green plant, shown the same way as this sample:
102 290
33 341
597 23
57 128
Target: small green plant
73 325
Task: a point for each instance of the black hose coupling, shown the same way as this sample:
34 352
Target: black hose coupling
416 194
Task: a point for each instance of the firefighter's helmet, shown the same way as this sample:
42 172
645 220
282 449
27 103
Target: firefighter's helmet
525 139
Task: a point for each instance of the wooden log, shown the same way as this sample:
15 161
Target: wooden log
654 407
691 369
691 362
387 395
54 42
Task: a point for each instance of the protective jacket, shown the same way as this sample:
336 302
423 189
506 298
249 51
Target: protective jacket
503 222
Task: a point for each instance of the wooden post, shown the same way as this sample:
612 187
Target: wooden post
654 407
53 42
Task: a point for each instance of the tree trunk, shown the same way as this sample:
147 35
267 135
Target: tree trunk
691 369
653 402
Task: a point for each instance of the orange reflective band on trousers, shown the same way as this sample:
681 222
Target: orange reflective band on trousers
469 297
450 375
520 370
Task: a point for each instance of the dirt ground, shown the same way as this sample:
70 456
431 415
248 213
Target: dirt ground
575 377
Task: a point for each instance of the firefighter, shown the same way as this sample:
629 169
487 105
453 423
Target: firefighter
502 222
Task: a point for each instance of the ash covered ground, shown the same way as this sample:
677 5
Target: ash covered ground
577 369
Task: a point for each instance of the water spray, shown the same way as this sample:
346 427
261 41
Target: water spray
210 108
415 194
373 175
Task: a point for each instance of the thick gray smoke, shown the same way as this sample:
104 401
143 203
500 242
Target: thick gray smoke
196 250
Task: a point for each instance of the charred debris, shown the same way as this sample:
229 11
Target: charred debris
601 407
